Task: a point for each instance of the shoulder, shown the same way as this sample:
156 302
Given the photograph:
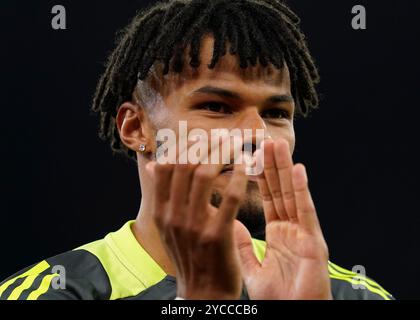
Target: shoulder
76 274
345 284
115 267
349 285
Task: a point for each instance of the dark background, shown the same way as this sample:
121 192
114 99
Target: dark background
61 186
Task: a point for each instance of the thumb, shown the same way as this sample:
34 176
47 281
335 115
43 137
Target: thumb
243 242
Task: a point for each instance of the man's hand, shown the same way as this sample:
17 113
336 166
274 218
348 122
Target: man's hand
296 261
199 237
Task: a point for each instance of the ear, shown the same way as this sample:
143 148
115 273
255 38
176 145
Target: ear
134 127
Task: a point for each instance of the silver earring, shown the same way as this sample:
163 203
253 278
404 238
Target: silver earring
142 148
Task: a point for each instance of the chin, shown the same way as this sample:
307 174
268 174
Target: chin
251 212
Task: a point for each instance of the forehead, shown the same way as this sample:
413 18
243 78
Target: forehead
229 65
226 71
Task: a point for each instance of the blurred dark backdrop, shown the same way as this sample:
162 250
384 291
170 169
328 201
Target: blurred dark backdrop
61 186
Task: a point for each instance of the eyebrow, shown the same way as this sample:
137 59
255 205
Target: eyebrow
233 95
218 92
280 98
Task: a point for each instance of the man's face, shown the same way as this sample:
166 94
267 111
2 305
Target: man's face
226 97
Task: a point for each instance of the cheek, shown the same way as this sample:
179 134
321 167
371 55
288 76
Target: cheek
287 133
164 124
292 140
168 115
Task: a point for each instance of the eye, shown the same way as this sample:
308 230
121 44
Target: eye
276 114
216 107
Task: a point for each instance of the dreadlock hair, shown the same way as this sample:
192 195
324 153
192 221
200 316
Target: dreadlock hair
258 31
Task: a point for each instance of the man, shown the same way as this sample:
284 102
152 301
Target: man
206 231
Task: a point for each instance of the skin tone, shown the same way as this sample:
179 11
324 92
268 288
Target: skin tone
206 248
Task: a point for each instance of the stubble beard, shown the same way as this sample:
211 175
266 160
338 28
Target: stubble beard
250 213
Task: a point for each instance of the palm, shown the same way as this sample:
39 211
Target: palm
292 258
295 265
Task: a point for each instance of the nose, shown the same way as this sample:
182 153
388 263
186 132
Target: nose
254 130
249 147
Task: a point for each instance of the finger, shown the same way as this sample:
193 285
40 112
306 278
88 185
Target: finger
150 169
232 197
284 166
270 212
243 241
183 175
174 152
162 176
272 178
201 187
181 185
306 212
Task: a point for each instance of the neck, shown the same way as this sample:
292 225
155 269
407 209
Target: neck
147 234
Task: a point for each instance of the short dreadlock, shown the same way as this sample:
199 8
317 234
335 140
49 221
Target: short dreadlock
258 31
